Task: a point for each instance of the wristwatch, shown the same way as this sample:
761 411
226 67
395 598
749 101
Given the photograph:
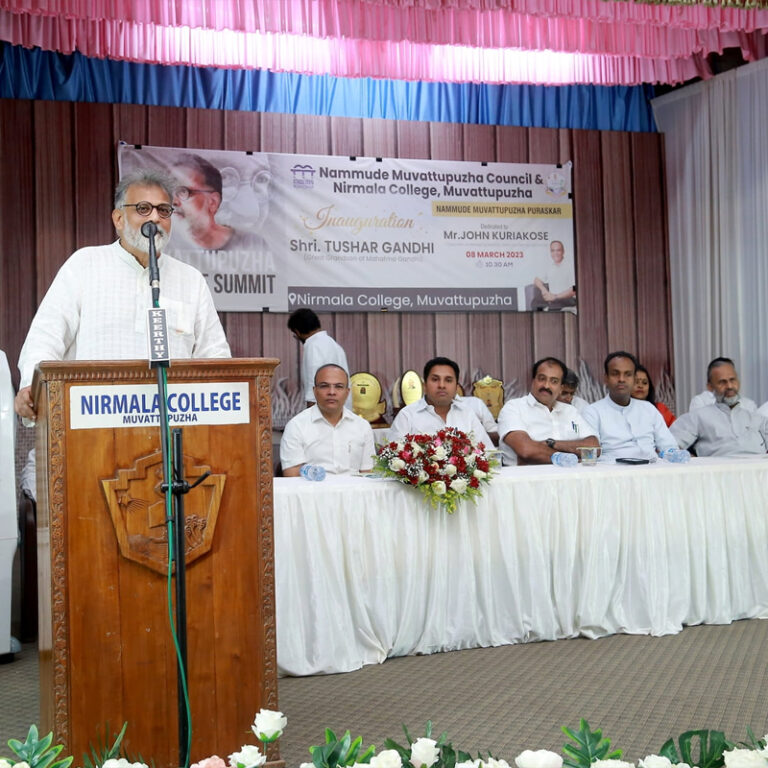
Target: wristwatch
550 441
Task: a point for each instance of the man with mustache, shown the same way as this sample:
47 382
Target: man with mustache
534 427
96 307
628 428
727 427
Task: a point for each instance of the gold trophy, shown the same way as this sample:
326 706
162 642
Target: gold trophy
491 392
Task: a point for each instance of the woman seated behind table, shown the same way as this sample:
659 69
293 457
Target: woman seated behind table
644 391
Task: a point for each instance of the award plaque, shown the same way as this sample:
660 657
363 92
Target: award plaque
411 388
366 397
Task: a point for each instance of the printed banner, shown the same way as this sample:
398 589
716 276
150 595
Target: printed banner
276 231
138 405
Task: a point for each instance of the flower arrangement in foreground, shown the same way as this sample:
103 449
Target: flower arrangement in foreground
588 749
446 467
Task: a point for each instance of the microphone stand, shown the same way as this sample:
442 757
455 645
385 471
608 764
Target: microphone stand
174 487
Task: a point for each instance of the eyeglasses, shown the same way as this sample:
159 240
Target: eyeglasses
184 193
144 208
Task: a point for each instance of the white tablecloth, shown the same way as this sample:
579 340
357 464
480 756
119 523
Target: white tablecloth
365 569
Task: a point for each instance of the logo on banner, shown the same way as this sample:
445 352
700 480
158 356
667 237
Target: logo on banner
303 176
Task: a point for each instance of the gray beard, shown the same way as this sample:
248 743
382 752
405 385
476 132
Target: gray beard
729 401
135 239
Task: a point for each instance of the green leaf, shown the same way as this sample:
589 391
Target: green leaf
590 746
404 753
711 745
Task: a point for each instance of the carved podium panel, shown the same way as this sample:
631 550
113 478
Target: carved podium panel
106 653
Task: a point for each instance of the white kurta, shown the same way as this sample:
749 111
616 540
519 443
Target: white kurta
96 309
636 430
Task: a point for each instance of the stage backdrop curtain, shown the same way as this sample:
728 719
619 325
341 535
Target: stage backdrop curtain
717 182
47 75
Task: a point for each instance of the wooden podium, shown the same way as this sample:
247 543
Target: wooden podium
106 653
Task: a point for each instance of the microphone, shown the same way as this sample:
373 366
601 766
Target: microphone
149 230
157 325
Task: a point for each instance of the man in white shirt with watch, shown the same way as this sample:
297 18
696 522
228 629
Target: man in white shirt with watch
534 427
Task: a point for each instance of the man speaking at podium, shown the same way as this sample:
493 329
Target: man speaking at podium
96 307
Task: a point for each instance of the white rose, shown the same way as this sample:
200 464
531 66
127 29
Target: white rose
248 757
655 761
400 446
479 474
539 758
396 465
438 487
4 763
611 764
423 477
26 765
424 752
416 449
493 763
459 485
744 758
307 765
388 758
440 453
269 725
450 470
470 764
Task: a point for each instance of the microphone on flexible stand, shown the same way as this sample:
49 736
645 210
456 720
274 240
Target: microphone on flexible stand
149 230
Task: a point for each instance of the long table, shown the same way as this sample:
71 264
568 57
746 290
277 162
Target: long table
365 569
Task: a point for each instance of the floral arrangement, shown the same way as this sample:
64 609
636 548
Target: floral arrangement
694 749
445 467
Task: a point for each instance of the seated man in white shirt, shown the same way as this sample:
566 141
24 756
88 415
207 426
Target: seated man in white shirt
627 428
534 427
328 434
568 391
725 428
440 407
483 413
707 397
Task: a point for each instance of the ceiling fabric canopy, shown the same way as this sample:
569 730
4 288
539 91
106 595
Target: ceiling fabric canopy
551 42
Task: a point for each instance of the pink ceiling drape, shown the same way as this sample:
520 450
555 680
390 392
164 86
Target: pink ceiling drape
492 41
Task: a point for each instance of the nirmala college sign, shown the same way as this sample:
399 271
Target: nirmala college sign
134 405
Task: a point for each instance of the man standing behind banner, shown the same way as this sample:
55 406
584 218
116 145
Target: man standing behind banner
319 349
96 307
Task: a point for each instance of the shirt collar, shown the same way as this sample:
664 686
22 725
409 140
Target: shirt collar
129 258
457 403
534 403
316 415
616 406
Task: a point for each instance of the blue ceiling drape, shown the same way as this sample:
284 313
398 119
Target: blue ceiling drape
37 74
